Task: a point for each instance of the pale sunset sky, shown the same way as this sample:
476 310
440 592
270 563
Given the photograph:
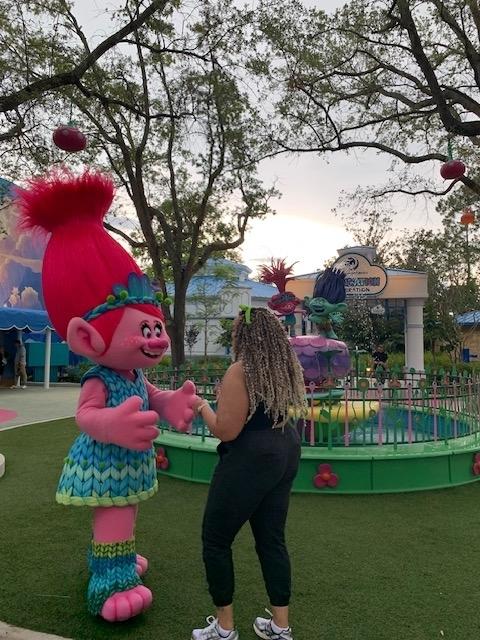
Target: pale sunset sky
304 228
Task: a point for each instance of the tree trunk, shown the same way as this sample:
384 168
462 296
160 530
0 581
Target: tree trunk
176 329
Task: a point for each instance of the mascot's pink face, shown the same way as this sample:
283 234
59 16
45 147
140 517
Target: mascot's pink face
140 341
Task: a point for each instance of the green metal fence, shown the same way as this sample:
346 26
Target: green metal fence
435 406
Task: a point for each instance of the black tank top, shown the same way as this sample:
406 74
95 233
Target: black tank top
259 420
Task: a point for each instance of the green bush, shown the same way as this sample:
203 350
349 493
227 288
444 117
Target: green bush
165 362
76 373
195 367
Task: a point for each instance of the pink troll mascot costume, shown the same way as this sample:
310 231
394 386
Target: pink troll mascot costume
99 300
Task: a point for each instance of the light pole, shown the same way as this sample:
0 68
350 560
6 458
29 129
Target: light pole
467 218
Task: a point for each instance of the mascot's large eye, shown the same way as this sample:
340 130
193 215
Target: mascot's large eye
157 330
146 331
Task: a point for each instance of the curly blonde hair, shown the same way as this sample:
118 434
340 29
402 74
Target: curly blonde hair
273 374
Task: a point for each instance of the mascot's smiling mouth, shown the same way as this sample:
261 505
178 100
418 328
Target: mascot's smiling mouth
151 354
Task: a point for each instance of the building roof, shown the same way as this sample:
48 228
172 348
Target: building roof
32 319
261 289
211 285
6 189
236 266
206 285
469 318
390 272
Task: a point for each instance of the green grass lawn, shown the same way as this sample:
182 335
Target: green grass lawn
394 567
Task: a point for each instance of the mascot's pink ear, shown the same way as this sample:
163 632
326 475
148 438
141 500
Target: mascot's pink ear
84 339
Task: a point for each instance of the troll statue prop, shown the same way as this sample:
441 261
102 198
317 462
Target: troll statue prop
102 304
327 301
323 356
285 302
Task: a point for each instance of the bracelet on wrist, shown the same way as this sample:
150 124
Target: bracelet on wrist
202 406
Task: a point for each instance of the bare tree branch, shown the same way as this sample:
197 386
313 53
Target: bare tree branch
53 83
133 243
451 123
384 192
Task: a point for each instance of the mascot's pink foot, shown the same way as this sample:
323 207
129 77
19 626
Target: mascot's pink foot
126 604
141 564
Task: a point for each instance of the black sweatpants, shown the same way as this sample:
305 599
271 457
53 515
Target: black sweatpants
252 481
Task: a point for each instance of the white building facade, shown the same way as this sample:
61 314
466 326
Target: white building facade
210 298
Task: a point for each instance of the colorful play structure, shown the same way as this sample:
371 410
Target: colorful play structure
420 430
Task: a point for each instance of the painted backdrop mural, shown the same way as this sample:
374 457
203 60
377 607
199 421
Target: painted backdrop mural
20 257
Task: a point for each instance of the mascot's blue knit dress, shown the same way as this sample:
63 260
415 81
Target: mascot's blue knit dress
104 475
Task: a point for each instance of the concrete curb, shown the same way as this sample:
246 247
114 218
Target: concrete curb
16 633
27 424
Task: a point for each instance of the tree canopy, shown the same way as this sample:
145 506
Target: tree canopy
400 77
33 61
170 113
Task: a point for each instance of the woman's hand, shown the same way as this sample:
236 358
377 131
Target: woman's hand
197 404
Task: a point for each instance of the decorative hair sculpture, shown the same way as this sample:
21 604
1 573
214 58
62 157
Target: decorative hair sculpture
285 302
330 285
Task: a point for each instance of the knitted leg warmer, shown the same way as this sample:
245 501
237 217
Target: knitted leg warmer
113 570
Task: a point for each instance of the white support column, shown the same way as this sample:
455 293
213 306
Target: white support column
48 352
414 334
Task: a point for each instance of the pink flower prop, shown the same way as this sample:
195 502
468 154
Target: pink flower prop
161 459
476 465
325 477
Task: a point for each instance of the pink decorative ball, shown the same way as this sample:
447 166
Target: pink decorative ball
452 170
69 138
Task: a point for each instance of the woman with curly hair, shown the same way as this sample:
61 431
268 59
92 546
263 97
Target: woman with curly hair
259 457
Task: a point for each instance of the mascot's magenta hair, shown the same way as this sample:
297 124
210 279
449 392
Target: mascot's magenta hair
82 261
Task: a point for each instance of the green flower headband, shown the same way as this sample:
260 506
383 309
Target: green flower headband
247 312
138 291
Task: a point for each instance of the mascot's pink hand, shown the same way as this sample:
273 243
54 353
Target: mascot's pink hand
179 412
132 428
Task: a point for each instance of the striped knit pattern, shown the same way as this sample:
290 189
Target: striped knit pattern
98 474
113 570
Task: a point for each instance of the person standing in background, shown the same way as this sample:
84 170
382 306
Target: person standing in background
380 367
3 361
20 365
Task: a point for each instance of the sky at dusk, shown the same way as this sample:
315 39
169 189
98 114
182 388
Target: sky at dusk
304 229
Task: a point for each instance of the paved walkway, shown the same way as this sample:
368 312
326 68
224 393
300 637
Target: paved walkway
15 633
36 404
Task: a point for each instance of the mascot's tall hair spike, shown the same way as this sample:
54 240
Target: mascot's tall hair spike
61 198
82 262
